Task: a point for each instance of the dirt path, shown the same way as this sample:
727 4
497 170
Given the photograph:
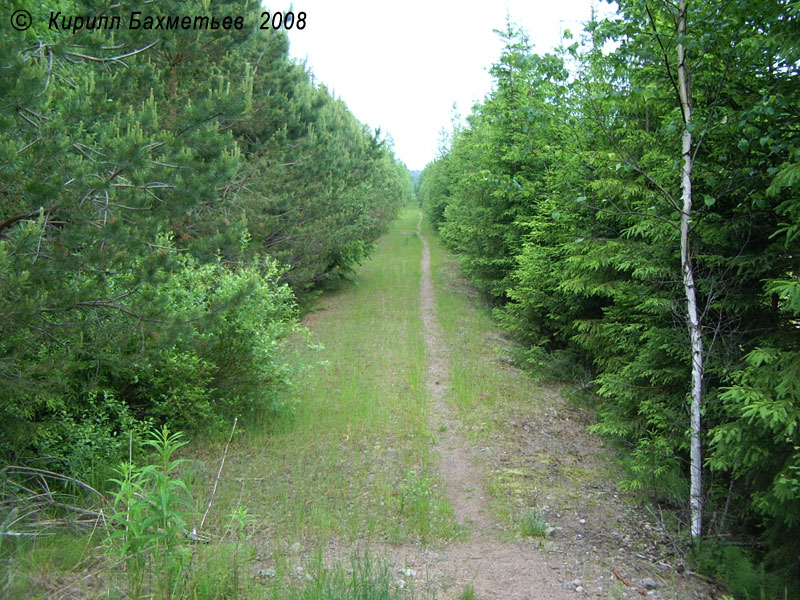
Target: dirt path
494 569
456 464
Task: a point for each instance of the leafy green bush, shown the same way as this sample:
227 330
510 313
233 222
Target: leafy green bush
192 346
227 328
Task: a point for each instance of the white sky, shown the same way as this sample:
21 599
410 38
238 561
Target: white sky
400 65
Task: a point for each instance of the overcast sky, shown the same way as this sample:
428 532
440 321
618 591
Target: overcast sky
400 65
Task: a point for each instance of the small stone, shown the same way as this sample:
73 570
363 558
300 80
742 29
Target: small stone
579 589
649 584
408 572
400 584
582 521
577 583
267 573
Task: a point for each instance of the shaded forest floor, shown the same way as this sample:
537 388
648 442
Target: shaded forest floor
416 440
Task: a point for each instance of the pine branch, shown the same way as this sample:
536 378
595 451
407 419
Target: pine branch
117 58
24 217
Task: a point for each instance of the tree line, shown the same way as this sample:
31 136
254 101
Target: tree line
629 205
165 199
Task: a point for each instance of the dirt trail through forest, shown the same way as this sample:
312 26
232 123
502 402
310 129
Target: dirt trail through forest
495 569
602 544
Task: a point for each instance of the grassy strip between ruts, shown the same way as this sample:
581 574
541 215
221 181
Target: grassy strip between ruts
353 460
485 387
483 380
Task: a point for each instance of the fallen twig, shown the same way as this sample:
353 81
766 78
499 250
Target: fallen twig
28 501
617 574
219 473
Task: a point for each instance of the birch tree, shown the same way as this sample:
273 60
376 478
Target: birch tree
692 313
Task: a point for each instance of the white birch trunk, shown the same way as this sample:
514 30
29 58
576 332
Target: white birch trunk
696 491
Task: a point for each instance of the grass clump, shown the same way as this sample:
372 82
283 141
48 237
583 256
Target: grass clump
366 579
533 524
425 509
27 565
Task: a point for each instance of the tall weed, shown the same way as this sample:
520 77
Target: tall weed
153 506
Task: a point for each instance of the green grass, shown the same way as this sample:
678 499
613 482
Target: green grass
491 394
364 579
339 466
533 524
350 462
30 567
468 593
486 389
